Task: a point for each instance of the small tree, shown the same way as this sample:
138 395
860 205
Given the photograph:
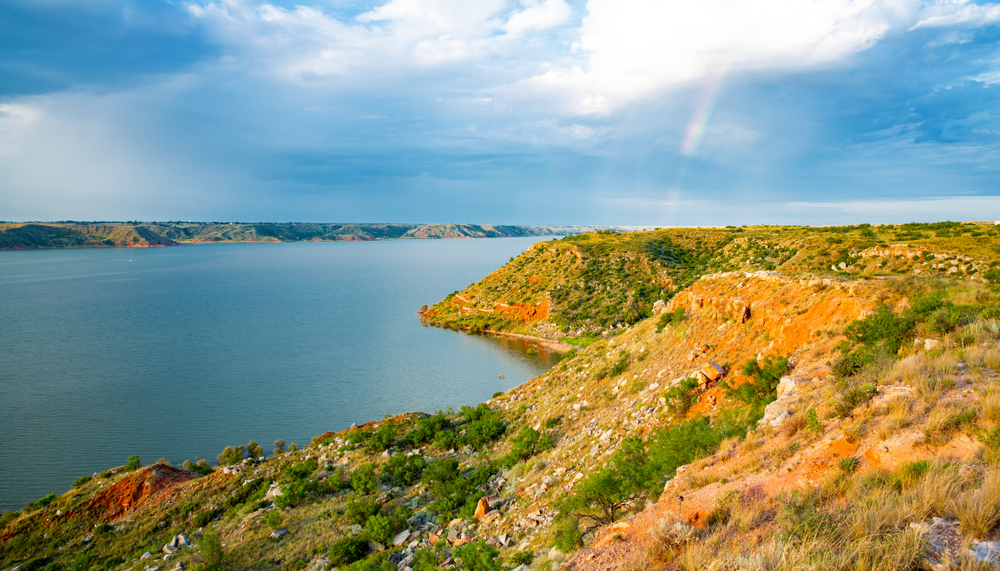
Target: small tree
279 447
255 450
134 463
231 455
211 549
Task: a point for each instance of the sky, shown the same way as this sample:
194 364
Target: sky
610 112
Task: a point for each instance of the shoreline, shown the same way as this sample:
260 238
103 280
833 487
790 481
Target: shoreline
561 347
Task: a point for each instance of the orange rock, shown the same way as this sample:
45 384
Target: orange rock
482 508
713 371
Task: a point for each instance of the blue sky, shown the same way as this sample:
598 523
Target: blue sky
622 112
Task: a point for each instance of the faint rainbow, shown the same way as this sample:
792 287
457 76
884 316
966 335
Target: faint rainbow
694 130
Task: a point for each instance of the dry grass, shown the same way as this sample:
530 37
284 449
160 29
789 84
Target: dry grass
900 415
928 496
990 405
794 424
667 538
877 515
945 420
978 510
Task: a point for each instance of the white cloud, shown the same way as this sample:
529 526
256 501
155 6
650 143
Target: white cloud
989 78
959 12
637 48
538 16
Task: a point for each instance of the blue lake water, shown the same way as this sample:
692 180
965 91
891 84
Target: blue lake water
179 352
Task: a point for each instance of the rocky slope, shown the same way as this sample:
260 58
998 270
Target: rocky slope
757 419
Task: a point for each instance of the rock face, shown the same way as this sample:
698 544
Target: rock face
143 487
987 552
482 508
776 413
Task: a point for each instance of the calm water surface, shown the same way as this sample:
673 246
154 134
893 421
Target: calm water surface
178 352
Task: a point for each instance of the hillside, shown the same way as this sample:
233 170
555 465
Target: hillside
63 235
586 284
815 417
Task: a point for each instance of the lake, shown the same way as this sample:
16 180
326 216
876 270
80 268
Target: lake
178 352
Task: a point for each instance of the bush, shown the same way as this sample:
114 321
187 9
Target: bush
683 396
81 481
360 509
812 422
881 329
279 447
364 480
383 438
254 450
133 463
483 425
210 549
762 389
348 550
477 556
404 470
45 500
527 443
273 519
381 529
669 318
446 483
567 536
301 470
231 455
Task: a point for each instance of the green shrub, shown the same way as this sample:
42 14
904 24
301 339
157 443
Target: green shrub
447 485
527 443
360 509
812 422
477 556
348 550
404 470
881 329
206 517
683 396
45 500
81 481
254 450
381 529
231 455
427 428
383 438
521 558
210 549
273 519
364 479
849 465
668 318
301 470
189 508
279 447
566 534
133 463
762 389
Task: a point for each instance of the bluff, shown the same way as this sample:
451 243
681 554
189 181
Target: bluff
764 408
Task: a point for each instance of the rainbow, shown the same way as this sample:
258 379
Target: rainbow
694 130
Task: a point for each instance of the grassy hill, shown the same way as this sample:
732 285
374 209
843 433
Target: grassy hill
771 413
72 234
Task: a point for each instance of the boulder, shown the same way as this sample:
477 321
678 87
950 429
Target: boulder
713 371
401 538
745 314
273 492
659 306
278 533
482 508
931 344
986 551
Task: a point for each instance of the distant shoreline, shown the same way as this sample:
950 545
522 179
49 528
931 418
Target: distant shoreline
36 235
